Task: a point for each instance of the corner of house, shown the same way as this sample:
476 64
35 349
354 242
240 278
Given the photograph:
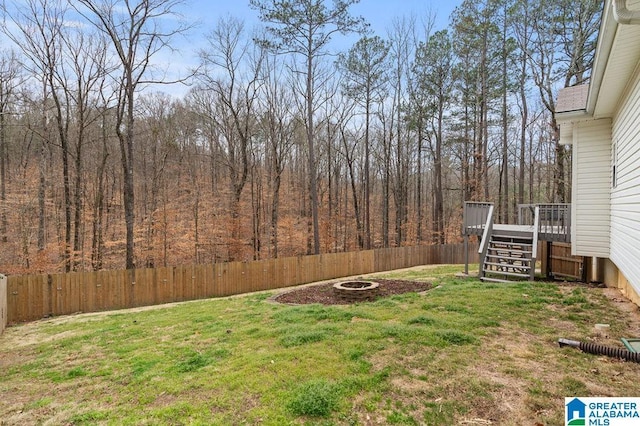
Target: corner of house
615 279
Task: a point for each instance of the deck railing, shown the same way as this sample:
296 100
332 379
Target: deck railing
475 217
554 223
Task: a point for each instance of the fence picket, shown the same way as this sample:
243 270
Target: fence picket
32 297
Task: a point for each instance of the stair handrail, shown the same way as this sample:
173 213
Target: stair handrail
534 247
484 243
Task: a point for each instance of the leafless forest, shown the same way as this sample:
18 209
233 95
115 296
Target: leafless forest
283 145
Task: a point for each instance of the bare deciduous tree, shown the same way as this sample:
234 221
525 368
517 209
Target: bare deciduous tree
277 125
434 80
10 79
230 69
137 35
305 28
364 68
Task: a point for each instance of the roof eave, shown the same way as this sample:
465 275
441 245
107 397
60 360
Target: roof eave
572 116
608 30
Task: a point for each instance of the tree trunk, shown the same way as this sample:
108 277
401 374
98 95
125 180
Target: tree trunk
42 183
468 191
419 211
523 134
275 208
97 243
386 190
62 123
3 175
437 167
354 193
78 192
367 177
559 175
256 203
313 184
126 148
504 196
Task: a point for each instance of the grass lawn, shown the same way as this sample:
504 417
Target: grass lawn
465 352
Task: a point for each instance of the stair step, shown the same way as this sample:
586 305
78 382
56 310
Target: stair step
508 265
514 243
528 241
512 238
492 262
509 274
499 267
494 280
507 244
507 259
510 254
520 271
506 252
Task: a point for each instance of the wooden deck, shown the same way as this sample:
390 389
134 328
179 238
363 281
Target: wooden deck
554 221
545 232
512 228
509 251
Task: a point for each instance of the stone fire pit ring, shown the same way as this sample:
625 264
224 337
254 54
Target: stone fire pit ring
355 291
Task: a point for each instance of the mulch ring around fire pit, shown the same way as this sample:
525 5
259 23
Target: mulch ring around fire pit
325 295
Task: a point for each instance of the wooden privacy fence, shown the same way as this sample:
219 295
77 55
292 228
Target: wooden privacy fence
563 264
31 297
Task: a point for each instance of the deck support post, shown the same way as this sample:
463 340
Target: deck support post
549 253
466 254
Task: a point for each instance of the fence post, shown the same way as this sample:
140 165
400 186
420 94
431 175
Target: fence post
3 302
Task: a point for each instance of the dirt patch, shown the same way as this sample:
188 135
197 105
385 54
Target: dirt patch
324 294
507 358
630 309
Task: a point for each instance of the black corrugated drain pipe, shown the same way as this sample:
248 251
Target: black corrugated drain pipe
594 348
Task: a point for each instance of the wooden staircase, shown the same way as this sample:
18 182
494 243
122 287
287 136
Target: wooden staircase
509 256
508 252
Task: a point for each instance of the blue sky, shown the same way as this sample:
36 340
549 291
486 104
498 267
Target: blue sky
379 13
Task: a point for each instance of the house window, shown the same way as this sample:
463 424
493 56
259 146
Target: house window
614 165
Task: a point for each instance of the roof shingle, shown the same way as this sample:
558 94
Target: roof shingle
572 98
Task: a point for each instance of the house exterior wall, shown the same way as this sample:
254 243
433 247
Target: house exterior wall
625 196
590 214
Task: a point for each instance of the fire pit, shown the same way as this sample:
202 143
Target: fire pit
356 291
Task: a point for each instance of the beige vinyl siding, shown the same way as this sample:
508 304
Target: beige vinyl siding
591 188
625 197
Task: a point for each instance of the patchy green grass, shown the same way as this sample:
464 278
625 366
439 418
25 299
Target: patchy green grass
315 398
464 352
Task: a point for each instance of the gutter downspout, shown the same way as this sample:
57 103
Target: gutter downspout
623 15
